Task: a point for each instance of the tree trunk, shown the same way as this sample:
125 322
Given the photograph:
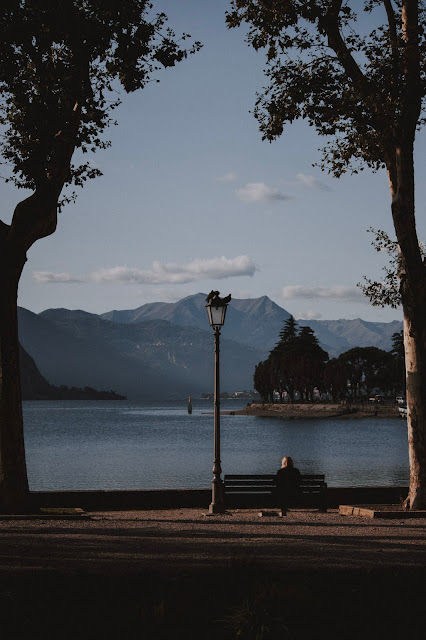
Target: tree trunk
415 354
14 492
412 276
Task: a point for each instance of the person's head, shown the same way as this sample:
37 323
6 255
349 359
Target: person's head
287 462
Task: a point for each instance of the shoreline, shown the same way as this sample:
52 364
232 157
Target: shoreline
317 411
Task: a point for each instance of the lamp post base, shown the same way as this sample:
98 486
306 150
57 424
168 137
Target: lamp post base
217 504
216 508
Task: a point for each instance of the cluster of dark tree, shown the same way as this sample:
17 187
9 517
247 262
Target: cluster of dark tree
299 365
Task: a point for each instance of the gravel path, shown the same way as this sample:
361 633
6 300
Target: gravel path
125 541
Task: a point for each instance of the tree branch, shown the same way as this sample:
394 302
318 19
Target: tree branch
411 59
393 34
392 26
330 24
36 216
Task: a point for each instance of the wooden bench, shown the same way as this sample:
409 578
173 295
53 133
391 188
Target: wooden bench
259 490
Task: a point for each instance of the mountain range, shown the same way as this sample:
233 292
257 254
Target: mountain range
258 321
165 350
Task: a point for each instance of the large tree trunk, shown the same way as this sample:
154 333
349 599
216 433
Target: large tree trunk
14 493
415 354
412 276
34 218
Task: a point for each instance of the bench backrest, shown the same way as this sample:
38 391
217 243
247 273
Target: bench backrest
309 483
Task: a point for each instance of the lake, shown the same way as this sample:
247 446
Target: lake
73 445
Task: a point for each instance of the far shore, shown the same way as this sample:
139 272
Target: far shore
295 411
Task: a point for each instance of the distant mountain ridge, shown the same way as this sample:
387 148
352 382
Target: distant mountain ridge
165 350
253 321
337 336
258 321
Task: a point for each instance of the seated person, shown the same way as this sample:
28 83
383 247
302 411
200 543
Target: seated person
287 483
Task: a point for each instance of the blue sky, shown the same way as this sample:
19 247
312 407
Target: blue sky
191 199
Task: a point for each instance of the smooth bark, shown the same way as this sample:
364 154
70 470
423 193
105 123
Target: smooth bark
412 276
397 145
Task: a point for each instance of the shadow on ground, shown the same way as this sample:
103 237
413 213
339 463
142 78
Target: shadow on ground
238 601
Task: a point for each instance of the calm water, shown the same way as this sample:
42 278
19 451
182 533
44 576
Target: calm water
120 445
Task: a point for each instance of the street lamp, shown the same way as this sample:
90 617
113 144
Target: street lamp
216 310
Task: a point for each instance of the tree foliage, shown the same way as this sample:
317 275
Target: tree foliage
367 368
62 63
398 353
335 379
363 87
303 368
347 85
294 365
386 292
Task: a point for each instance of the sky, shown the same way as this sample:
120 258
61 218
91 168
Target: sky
192 199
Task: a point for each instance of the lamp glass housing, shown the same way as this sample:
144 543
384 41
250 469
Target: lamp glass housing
216 314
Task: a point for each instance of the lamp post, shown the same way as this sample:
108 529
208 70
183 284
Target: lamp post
216 310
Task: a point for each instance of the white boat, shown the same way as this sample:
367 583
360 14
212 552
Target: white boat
402 412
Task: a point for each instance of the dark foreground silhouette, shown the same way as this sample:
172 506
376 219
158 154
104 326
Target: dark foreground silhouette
237 602
180 574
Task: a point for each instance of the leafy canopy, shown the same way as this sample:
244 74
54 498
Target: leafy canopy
65 60
323 67
387 291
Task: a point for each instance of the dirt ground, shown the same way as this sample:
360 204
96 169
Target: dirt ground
183 573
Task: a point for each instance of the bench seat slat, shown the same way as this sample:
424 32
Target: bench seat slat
305 476
236 483
249 477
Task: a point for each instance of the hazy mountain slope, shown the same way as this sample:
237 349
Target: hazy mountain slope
166 349
33 384
69 354
255 322
338 336
147 359
35 387
188 312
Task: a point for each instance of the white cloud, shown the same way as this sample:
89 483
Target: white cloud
162 273
174 273
259 192
311 182
336 293
228 177
44 277
308 315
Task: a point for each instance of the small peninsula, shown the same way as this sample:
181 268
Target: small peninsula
290 411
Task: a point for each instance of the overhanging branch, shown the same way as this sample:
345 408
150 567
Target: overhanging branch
330 24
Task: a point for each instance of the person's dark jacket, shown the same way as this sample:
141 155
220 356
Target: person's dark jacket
287 483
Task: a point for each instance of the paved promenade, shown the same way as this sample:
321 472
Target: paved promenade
157 572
